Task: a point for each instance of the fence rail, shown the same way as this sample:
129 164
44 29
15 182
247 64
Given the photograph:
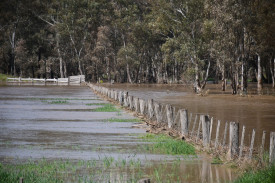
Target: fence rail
70 80
200 130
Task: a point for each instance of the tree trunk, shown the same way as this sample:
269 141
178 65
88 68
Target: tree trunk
65 69
59 56
244 78
223 78
259 77
128 74
206 76
197 79
272 71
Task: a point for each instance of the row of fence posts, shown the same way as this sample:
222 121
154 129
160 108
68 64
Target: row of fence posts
201 129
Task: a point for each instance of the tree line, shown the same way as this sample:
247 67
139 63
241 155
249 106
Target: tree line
141 41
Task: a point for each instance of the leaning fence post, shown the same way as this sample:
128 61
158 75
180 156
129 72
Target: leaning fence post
190 120
242 139
205 130
184 122
233 139
272 148
224 134
262 146
217 134
251 144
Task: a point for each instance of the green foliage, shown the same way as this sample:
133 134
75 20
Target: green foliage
3 77
106 108
266 175
167 145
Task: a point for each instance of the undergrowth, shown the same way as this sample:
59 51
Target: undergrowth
167 145
266 175
106 108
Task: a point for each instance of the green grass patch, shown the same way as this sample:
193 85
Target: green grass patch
266 175
58 102
167 145
3 77
122 120
216 160
91 104
106 108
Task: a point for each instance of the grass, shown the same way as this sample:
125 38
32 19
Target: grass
122 120
266 175
167 145
91 104
106 108
3 77
216 160
58 102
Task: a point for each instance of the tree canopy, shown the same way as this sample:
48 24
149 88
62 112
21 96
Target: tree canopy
140 41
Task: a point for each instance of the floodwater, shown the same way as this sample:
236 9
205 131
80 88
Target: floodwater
34 124
254 111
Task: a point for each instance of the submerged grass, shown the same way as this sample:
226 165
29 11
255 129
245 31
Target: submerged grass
58 102
91 104
266 175
122 120
167 145
106 108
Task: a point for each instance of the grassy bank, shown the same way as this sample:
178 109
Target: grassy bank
167 145
266 175
3 77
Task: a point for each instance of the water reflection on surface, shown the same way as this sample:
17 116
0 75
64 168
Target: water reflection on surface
31 127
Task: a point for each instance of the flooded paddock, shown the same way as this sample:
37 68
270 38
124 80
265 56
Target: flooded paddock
58 122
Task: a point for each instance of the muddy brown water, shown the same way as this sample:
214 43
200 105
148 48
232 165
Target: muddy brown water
33 128
254 111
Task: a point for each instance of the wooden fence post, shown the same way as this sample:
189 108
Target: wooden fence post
157 112
21 180
251 144
136 104
125 96
170 115
262 146
211 126
194 125
141 106
150 105
242 141
199 128
131 102
272 148
190 121
205 130
184 122
145 180
120 98
233 139
217 134
224 134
